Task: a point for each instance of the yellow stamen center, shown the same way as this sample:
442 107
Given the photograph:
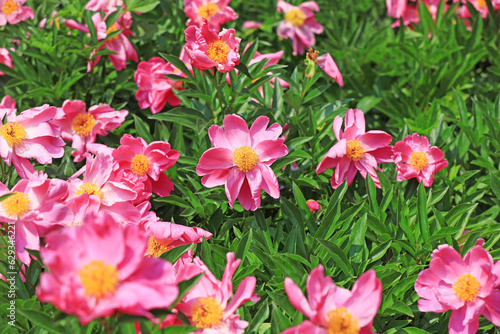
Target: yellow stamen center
13 133
140 164
110 30
83 124
466 287
76 224
218 51
418 160
16 205
156 247
208 10
206 312
99 279
91 189
355 150
245 158
341 321
296 17
481 3
9 7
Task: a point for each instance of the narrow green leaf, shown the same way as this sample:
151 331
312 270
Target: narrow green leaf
422 212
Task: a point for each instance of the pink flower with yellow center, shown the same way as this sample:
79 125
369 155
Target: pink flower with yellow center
332 309
299 24
154 88
35 208
415 158
241 159
207 305
147 161
13 12
207 49
99 268
81 127
30 135
217 12
468 287
356 150
5 59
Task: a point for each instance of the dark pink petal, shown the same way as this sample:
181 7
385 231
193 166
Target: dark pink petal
234 182
269 181
492 308
237 131
306 327
215 178
327 64
216 158
375 139
163 186
297 298
457 325
366 298
244 293
271 150
447 264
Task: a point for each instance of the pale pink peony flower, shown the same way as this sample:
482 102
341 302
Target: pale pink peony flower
327 64
30 135
415 158
147 161
251 25
35 209
5 59
207 304
99 268
313 206
468 287
356 150
98 183
241 160
332 309
217 12
81 126
299 24
154 88
7 107
13 12
207 49
119 43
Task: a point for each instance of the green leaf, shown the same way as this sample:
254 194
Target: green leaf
141 6
142 129
90 25
338 256
40 319
185 286
249 53
175 253
4 197
422 212
174 60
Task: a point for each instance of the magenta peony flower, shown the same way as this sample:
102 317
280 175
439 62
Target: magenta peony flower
30 135
355 150
207 304
7 107
35 209
414 157
207 49
13 12
299 24
154 88
147 161
241 159
332 309
313 206
5 59
99 268
327 64
82 127
468 287
216 12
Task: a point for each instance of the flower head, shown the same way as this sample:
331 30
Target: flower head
313 206
415 158
299 25
99 268
332 309
13 12
216 12
207 49
356 150
241 159
468 287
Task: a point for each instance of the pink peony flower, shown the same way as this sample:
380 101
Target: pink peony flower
7 107
119 43
396 8
299 24
154 88
207 304
148 162
241 159
99 268
410 16
98 183
207 49
468 287
106 6
13 12
332 309
82 127
313 206
327 64
355 150
35 209
414 157
30 135
251 25
216 12
479 5
5 59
